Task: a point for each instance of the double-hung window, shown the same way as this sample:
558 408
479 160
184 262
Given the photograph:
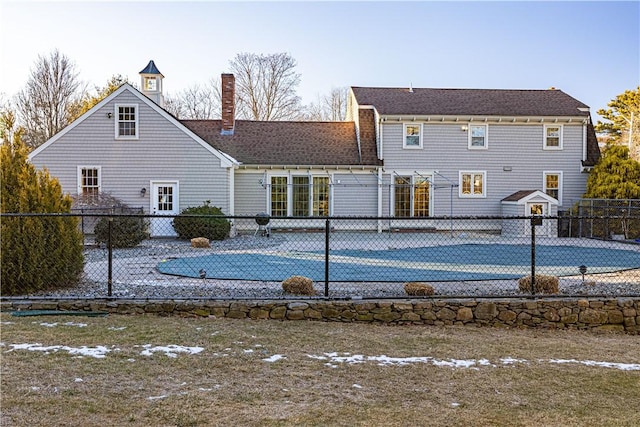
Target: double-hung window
552 185
552 137
411 196
127 121
89 180
472 184
478 135
412 137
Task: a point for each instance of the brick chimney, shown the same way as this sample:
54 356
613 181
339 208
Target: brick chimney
228 104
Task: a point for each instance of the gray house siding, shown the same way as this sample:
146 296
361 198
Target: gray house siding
355 194
162 152
250 195
515 147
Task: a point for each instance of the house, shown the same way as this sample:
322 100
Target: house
403 152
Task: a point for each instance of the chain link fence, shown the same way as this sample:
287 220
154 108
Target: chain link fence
605 219
134 256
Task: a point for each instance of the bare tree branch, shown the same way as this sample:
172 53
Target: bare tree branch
46 105
198 102
266 86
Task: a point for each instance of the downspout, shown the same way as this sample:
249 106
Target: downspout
380 184
232 196
584 142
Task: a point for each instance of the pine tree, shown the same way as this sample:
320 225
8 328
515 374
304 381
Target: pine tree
37 252
615 176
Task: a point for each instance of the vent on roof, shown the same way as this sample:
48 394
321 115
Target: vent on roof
410 87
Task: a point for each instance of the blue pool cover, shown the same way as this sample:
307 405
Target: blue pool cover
439 263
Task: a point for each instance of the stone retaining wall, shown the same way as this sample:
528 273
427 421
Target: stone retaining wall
614 314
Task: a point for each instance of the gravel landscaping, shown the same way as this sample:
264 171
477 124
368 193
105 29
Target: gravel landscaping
135 275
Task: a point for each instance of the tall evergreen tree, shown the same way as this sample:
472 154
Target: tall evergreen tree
615 176
622 124
37 252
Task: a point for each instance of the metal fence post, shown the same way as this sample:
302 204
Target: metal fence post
533 255
110 262
326 257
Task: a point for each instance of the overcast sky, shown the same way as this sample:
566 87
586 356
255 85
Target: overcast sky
590 50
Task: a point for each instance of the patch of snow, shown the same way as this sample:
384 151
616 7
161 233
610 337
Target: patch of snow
117 328
620 366
512 361
171 350
356 386
455 404
98 352
78 380
162 396
79 325
383 360
247 351
274 358
7 323
54 324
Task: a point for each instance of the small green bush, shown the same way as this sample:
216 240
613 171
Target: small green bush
126 231
202 221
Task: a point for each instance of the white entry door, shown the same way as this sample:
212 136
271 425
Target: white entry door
164 201
538 209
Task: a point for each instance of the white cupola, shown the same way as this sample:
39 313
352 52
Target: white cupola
151 83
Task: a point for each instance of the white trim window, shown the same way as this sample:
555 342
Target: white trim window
126 121
411 196
552 184
552 137
299 195
89 180
473 184
412 135
478 137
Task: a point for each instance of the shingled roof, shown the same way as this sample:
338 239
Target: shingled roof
287 143
489 102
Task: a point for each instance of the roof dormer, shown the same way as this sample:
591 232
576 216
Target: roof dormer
151 83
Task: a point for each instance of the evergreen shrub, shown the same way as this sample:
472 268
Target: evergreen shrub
126 231
37 253
202 221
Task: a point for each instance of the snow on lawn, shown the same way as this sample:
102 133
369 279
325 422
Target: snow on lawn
274 358
332 360
169 350
98 352
335 358
54 324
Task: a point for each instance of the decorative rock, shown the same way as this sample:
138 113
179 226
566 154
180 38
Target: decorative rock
418 289
593 316
544 284
295 314
258 313
200 242
486 311
298 285
464 314
278 312
507 316
446 314
615 317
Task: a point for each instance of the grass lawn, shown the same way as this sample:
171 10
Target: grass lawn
172 371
